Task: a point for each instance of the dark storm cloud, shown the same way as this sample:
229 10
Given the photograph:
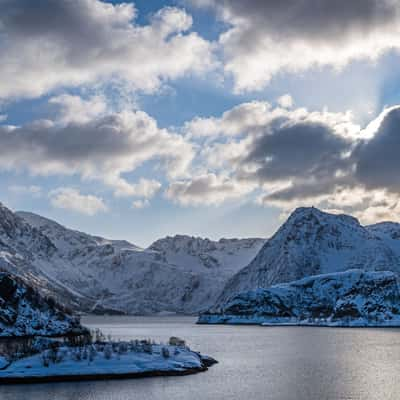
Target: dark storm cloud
378 159
49 17
309 189
311 19
80 28
306 150
80 142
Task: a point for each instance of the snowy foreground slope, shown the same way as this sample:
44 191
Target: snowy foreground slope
351 298
73 364
313 242
24 312
93 274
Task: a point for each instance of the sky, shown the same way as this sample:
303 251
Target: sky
137 120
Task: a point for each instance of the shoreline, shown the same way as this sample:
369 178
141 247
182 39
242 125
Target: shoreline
99 377
237 322
80 364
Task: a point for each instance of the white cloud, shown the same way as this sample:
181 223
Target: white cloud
139 204
146 188
252 116
208 189
74 109
72 199
102 148
285 101
80 42
265 38
232 122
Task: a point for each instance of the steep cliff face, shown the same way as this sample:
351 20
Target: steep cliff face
24 312
351 298
313 242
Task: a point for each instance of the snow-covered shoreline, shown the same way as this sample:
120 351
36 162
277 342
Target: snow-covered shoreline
162 361
353 298
268 322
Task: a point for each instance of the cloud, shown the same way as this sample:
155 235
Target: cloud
301 163
72 199
232 122
254 115
139 204
285 101
102 148
265 38
146 188
32 190
75 109
281 154
208 189
377 158
382 207
273 155
79 42
289 149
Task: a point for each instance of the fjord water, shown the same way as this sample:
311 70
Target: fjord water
255 363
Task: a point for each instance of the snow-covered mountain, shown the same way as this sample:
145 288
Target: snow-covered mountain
186 274
212 262
386 230
25 251
67 241
351 298
313 242
24 312
197 254
90 273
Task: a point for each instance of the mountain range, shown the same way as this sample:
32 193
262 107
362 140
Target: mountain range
179 274
184 274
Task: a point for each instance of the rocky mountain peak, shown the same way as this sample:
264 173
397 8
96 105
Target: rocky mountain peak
18 236
311 216
314 242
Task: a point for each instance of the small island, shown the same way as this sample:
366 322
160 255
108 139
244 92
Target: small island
353 298
40 341
54 361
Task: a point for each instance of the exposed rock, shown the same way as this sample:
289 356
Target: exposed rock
351 298
24 312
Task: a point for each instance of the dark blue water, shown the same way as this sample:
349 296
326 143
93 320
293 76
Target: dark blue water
256 363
